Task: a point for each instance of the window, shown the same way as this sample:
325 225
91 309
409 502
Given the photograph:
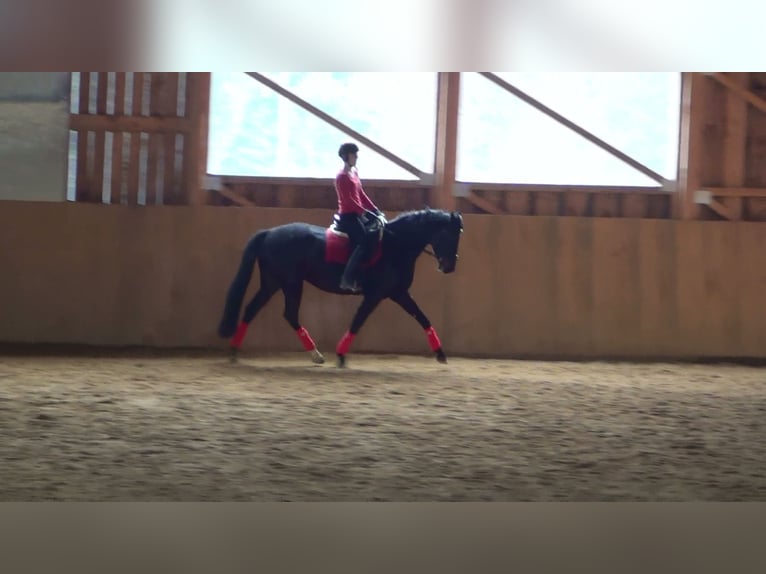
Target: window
256 132
503 139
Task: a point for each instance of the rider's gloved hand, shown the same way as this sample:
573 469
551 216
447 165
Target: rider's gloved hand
381 216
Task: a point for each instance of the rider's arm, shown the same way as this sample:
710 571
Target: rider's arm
366 201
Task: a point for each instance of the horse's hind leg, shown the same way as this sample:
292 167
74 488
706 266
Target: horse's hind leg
293 294
269 286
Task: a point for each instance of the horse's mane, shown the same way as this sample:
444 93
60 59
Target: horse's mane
420 216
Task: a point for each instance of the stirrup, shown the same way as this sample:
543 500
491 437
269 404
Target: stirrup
352 287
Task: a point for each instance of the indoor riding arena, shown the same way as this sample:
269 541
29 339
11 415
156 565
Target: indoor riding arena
604 337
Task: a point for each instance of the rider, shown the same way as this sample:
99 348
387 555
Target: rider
353 207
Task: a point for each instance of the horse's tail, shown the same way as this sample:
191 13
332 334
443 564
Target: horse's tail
238 287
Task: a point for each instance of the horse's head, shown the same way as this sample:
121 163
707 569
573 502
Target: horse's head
446 241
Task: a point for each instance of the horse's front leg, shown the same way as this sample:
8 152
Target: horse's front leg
368 305
406 302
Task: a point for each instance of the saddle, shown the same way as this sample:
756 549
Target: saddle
337 243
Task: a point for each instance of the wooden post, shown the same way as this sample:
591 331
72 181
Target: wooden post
448 104
691 144
734 142
195 144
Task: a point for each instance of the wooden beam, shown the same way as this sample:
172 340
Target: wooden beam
235 197
445 160
691 144
84 163
553 188
484 204
336 124
575 128
737 88
723 210
132 124
735 142
195 143
736 191
270 180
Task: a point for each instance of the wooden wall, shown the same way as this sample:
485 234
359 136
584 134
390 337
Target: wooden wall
141 137
525 286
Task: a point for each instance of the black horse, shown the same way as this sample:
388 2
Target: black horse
290 254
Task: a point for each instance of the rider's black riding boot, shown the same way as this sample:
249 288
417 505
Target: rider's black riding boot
348 281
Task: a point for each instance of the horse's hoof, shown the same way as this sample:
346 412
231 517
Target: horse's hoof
341 361
233 356
440 356
316 357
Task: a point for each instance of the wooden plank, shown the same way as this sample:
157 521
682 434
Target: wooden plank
658 288
659 206
752 286
164 99
129 124
755 209
722 210
735 143
81 185
102 92
195 144
324 198
171 182
565 189
95 176
165 104
134 168
634 205
546 203
574 303
83 164
518 203
445 157
138 96
693 339
97 183
84 107
606 205
577 203
616 287
496 197
317 181
476 186
528 281
235 197
722 278
152 164
398 199
691 143
116 198
289 196
119 93
736 191
484 204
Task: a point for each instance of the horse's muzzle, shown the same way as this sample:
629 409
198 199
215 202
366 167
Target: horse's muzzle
447 266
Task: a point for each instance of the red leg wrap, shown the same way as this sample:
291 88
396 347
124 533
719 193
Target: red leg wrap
306 339
239 336
433 339
344 344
